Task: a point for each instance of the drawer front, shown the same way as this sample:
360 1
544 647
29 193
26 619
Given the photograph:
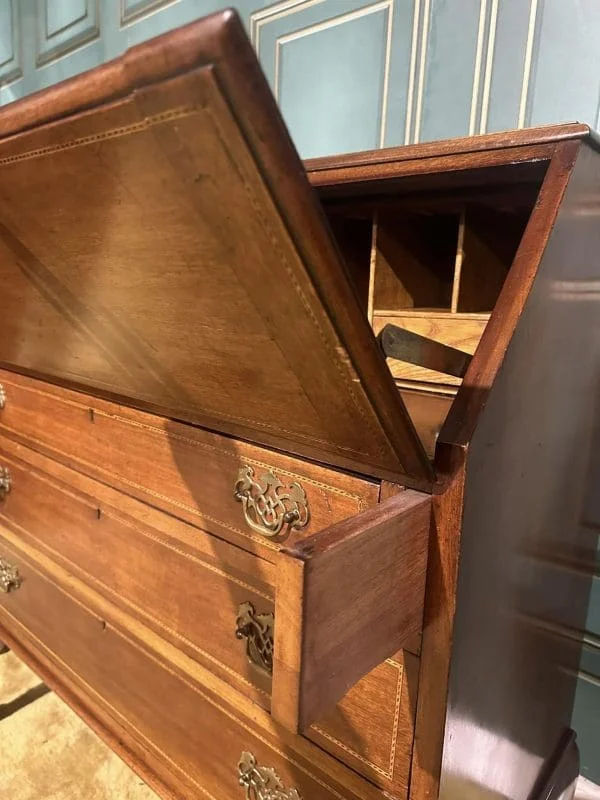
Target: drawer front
372 728
254 497
189 587
192 738
185 584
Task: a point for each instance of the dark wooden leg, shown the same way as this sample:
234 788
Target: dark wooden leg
557 780
3 648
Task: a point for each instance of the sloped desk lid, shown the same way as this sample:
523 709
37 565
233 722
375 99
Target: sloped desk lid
159 243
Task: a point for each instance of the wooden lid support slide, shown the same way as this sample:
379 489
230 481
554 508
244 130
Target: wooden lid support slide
347 599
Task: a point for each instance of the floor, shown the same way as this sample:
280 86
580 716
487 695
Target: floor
48 753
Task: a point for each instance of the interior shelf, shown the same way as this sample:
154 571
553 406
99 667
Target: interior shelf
433 262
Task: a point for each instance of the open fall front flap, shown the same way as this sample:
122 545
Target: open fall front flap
159 243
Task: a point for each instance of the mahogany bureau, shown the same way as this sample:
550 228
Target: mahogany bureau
294 458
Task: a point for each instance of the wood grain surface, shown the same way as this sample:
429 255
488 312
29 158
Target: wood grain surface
188 472
198 277
334 596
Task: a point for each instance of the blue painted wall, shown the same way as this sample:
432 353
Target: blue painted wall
353 75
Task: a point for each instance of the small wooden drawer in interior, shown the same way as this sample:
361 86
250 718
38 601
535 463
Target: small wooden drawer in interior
211 600
196 742
461 331
251 496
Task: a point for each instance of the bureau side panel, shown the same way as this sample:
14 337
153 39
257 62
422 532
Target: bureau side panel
520 601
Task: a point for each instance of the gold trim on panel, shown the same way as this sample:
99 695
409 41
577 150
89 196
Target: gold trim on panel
15 39
332 22
386 74
527 64
410 94
264 16
126 17
489 67
44 5
477 66
422 68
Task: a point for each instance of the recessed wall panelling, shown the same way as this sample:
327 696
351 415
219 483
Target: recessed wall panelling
133 9
63 26
454 54
301 60
62 14
358 74
10 63
512 28
565 80
139 20
346 64
593 620
586 716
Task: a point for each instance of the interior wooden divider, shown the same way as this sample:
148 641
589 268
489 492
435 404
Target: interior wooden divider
434 265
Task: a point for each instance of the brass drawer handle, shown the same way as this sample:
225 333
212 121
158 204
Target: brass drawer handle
268 505
2 397
262 783
258 631
4 482
10 580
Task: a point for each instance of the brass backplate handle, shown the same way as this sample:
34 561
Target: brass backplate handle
10 580
258 631
4 482
268 505
262 783
2 396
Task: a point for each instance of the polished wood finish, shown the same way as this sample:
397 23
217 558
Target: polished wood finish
438 624
384 760
191 736
379 173
372 727
527 472
187 586
321 170
333 595
212 205
188 472
204 314
183 583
